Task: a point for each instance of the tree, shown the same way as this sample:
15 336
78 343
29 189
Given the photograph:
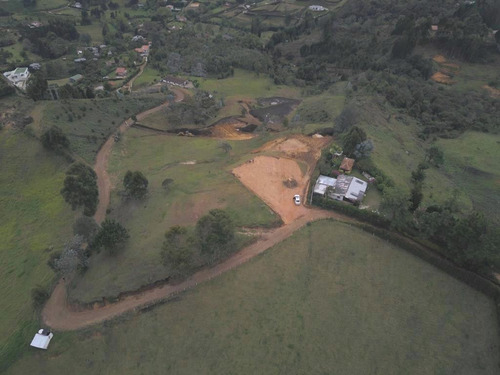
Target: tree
434 156
177 250
36 86
396 204
54 139
215 233
347 119
354 137
80 188
86 227
112 236
363 149
225 146
167 183
135 184
73 257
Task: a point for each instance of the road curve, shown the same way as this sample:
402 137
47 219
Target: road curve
102 158
58 315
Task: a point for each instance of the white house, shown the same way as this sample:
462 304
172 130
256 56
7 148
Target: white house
42 339
18 77
317 8
344 188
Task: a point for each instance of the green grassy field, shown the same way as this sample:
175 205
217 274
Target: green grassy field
88 123
331 299
148 77
33 219
198 187
246 85
471 162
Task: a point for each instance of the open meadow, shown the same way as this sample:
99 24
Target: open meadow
34 221
329 299
202 180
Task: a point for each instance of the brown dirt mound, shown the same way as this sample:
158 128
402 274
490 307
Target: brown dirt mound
442 78
440 59
290 183
230 131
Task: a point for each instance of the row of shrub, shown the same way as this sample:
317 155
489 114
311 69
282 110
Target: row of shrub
352 211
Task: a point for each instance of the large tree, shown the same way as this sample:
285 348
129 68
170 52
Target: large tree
73 258
36 86
135 184
353 138
215 233
54 139
396 204
80 188
112 236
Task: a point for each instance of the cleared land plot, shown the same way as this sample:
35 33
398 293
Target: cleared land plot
201 176
329 297
88 123
33 218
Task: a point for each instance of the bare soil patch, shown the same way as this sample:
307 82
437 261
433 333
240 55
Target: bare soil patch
442 78
495 93
230 129
264 175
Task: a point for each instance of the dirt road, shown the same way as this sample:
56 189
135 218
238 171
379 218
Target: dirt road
102 158
58 315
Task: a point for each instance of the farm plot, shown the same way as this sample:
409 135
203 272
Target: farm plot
329 297
201 180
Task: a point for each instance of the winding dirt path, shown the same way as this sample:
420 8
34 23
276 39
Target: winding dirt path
102 158
58 315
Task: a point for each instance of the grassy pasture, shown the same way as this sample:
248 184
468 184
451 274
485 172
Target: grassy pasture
92 121
33 218
471 162
147 77
247 85
196 189
330 299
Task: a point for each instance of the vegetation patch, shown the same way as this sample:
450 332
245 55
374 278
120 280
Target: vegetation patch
290 308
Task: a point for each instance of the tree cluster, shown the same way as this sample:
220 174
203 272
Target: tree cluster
80 188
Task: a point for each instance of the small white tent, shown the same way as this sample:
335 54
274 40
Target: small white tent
42 339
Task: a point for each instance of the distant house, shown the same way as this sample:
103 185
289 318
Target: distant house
35 66
181 18
137 38
317 8
347 165
76 78
34 25
18 77
344 188
143 51
77 5
80 60
121 72
175 81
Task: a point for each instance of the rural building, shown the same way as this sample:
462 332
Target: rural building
143 51
34 25
174 81
79 60
347 165
121 72
76 78
344 188
42 339
317 8
323 183
18 77
35 66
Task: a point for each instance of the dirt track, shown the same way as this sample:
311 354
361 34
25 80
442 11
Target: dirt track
58 315
101 161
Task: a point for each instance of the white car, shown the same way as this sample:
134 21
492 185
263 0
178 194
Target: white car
296 199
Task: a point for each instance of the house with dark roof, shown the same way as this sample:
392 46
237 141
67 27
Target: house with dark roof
175 81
